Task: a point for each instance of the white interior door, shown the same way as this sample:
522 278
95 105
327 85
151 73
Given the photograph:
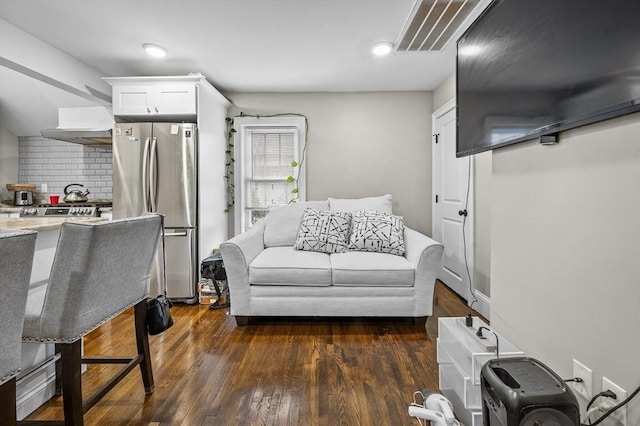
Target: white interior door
452 206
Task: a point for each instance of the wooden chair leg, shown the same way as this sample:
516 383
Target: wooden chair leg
8 403
142 341
71 360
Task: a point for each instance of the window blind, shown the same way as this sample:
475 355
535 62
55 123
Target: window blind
272 152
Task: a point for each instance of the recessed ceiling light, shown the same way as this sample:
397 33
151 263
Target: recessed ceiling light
471 50
381 49
154 50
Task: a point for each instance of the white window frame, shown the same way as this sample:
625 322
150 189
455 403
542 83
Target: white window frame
242 155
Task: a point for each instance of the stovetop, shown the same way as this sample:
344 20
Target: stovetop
82 204
83 209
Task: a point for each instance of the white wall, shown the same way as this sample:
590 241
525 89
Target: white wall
482 224
565 270
8 161
362 144
212 111
444 92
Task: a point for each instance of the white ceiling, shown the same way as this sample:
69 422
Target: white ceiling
239 45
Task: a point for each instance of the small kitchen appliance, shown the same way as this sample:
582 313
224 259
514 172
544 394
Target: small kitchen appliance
22 193
524 392
22 198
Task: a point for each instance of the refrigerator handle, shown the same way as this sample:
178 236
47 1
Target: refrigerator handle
175 234
145 175
153 175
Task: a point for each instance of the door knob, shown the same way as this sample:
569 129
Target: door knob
462 212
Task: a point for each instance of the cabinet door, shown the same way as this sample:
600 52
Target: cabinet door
133 100
150 100
175 100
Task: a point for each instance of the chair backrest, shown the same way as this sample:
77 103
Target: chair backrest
16 258
98 271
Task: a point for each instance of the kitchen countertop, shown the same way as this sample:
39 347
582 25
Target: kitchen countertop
4 208
45 223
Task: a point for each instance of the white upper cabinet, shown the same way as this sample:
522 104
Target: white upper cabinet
154 100
157 98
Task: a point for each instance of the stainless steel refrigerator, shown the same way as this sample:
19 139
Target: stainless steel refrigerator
155 170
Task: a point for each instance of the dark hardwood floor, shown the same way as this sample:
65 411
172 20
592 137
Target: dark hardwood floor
280 371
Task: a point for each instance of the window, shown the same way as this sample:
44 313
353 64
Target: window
265 149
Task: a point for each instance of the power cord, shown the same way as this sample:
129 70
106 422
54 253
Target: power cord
468 320
615 407
479 334
598 408
608 393
587 415
416 404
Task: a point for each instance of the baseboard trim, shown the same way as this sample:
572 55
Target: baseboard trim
35 390
483 304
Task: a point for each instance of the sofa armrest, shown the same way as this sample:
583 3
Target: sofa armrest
237 254
426 255
415 245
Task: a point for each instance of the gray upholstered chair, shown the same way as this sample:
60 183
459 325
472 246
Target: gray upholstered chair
16 258
99 270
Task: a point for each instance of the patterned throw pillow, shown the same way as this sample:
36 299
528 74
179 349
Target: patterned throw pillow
324 231
377 231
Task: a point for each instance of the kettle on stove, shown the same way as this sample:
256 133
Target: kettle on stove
75 195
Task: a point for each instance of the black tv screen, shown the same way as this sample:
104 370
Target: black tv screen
531 68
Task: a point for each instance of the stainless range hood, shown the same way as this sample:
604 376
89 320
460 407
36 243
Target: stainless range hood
84 125
81 136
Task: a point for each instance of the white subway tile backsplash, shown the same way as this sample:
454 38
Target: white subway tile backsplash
58 163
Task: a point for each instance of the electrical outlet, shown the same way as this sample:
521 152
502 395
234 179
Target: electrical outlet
43 188
584 389
621 413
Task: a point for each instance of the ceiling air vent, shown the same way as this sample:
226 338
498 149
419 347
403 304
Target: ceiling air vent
433 24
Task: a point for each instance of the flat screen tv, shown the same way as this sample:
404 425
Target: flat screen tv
532 68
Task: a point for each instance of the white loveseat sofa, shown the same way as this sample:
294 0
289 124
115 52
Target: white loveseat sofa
268 277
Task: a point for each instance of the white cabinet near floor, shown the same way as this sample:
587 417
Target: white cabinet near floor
461 355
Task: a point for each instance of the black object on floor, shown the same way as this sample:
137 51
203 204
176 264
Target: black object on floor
212 268
525 392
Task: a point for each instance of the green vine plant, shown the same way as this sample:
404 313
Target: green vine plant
229 166
230 160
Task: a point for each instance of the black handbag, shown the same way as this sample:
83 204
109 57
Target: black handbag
159 314
159 308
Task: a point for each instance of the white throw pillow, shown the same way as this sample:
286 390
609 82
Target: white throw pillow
324 231
352 205
379 232
282 223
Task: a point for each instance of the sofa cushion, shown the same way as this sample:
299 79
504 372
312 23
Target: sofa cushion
378 232
371 269
324 231
352 205
282 222
286 266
